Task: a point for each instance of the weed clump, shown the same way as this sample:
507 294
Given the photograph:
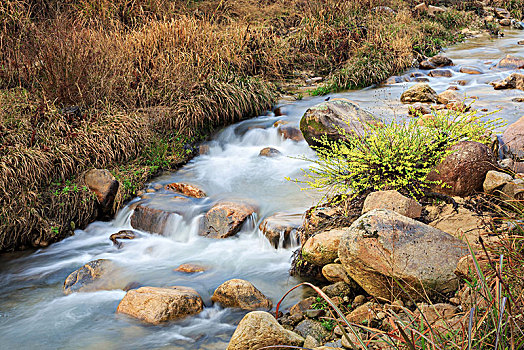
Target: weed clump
392 156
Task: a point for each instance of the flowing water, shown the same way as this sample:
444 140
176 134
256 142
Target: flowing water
35 314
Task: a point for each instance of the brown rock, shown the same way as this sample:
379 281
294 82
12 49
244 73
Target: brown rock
186 189
241 294
124 234
513 190
149 219
392 200
365 312
435 312
280 122
225 219
103 184
495 180
462 82
155 305
470 70
258 329
396 80
290 133
269 152
448 96
426 65
419 93
462 223
463 171
383 248
510 62
506 22
441 73
335 273
282 229
88 277
513 139
191 268
440 61
322 249
514 81
521 42
419 108
302 306
326 117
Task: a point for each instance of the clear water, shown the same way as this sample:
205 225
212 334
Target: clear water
35 314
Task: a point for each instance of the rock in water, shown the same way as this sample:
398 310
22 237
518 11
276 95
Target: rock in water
191 268
514 81
464 170
441 73
392 200
186 189
326 117
290 133
382 248
124 234
225 219
87 278
155 305
258 329
448 96
269 152
322 249
419 93
281 229
104 185
241 294
513 139
149 219
510 62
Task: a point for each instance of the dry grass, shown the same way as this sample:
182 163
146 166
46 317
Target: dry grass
150 72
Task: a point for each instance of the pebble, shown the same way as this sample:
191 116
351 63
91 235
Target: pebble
359 300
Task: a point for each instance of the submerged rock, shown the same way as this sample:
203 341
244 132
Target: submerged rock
441 73
241 294
87 278
392 200
258 329
419 93
382 248
156 305
225 219
191 268
463 171
326 117
290 133
186 189
269 152
281 229
104 185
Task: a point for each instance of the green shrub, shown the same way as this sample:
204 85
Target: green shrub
392 156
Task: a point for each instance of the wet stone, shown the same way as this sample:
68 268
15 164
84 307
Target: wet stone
124 234
269 152
191 268
85 278
290 133
281 229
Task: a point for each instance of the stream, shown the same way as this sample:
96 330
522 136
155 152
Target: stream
35 313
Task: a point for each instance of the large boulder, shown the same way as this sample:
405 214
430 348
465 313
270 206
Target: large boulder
88 278
282 229
322 249
241 294
104 185
225 219
392 200
258 329
510 62
513 139
514 81
383 249
326 117
419 93
463 171
155 305
185 189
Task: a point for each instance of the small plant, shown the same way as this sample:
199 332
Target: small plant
392 156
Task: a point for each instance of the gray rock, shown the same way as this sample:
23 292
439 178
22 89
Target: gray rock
383 246
326 117
312 328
